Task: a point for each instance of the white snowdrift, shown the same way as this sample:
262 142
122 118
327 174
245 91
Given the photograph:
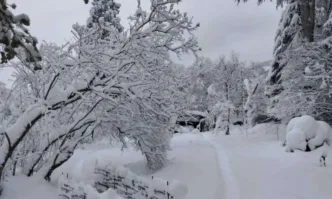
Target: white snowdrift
305 131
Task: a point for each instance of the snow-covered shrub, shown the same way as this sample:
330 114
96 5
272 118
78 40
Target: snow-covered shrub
306 134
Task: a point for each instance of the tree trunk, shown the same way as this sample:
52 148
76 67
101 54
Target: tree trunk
308 9
228 110
228 122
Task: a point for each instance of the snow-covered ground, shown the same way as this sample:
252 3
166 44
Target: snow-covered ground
245 165
262 169
28 188
193 162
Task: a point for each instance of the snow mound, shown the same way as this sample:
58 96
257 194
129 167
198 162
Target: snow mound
307 124
296 139
306 134
323 135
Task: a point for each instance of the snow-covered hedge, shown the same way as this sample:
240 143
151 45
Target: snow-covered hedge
306 134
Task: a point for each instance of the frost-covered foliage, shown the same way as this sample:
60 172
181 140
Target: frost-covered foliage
123 86
217 89
255 103
228 92
15 37
198 84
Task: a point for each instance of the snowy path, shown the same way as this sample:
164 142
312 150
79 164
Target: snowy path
195 164
259 168
232 190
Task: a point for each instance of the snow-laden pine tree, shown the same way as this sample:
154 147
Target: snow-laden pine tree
14 36
288 35
306 77
299 78
104 16
297 24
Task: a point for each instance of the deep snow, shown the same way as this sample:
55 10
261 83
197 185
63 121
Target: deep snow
193 162
245 165
264 170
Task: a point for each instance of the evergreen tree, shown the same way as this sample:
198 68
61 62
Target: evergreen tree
297 24
103 15
14 35
288 34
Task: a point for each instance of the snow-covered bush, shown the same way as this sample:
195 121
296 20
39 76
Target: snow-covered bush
306 134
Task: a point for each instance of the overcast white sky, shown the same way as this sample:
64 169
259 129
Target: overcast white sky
246 29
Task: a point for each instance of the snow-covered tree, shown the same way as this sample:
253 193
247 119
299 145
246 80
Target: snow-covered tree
306 81
288 35
127 86
217 89
255 105
103 15
15 37
199 81
226 92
